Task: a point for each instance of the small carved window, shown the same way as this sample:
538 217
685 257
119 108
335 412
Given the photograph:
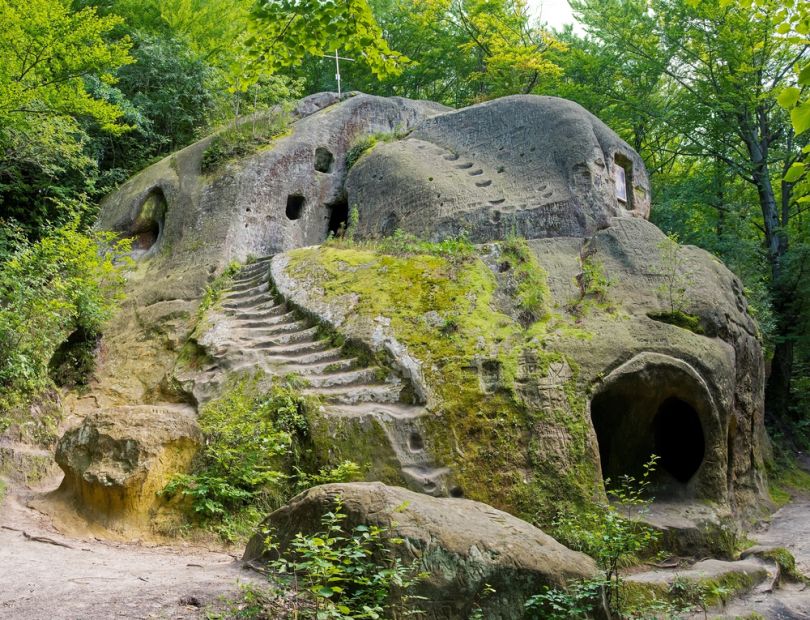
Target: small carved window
623 179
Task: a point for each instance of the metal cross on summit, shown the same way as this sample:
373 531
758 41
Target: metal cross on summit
337 66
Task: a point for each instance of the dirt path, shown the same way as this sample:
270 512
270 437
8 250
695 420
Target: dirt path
90 579
789 527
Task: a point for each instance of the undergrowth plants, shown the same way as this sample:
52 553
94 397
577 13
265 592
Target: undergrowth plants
248 464
613 535
65 283
342 573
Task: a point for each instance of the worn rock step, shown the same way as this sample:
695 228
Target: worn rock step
254 291
734 578
381 393
263 302
247 283
324 368
258 312
430 480
396 411
290 349
306 358
350 377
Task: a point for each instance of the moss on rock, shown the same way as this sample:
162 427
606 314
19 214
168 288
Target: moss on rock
508 415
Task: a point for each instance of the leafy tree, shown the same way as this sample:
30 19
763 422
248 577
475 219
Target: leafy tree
461 51
47 55
64 282
722 66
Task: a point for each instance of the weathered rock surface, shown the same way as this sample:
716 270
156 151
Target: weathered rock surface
594 389
461 544
523 165
118 459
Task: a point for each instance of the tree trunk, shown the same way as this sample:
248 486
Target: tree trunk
777 388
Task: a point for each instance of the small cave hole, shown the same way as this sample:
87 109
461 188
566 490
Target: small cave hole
295 206
456 492
415 442
338 217
74 361
147 227
390 224
679 439
324 160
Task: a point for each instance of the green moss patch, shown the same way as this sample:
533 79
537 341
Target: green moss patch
678 319
509 444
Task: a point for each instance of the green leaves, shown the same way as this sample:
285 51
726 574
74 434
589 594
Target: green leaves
287 31
345 573
65 282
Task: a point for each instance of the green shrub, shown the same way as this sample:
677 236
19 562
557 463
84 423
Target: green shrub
343 574
67 282
248 466
245 137
214 290
364 144
528 279
612 539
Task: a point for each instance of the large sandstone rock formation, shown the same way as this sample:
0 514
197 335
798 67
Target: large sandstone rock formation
464 547
524 165
473 396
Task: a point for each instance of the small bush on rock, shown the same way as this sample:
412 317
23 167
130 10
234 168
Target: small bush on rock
246 468
343 574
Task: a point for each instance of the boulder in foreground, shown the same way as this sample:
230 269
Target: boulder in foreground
461 544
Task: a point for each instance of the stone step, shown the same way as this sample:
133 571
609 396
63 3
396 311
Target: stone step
296 348
396 411
350 395
270 341
247 283
324 368
305 359
262 302
429 480
261 311
365 377
257 264
252 292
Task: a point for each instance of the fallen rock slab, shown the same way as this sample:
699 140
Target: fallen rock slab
462 545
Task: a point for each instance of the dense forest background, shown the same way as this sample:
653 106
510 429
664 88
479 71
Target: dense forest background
712 93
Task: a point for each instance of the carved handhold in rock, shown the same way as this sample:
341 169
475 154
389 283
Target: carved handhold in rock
462 545
118 459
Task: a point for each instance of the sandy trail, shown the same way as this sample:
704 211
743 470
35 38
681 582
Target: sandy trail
91 579
789 527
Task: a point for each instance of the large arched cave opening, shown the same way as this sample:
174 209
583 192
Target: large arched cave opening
655 411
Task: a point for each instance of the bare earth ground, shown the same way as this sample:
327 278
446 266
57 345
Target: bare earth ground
85 578
789 527
45 575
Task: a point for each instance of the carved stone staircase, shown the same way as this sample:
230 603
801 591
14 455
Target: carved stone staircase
252 330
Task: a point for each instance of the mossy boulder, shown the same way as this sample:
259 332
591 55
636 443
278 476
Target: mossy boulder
532 415
473 555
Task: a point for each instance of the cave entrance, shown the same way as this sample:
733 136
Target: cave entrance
147 227
679 439
338 217
295 206
639 415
